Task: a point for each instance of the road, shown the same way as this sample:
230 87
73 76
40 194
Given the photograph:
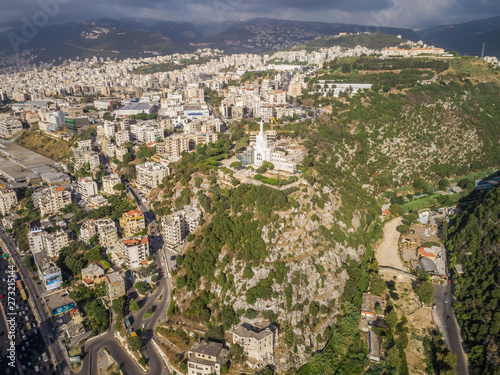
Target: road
387 250
47 326
128 366
449 328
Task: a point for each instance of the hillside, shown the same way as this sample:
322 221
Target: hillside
474 243
135 38
372 41
45 145
466 38
302 256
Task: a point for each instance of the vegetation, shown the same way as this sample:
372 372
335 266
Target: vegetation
473 241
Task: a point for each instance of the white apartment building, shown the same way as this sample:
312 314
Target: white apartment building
173 147
35 237
94 160
136 251
109 129
151 174
51 200
122 137
87 187
10 127
120 152
54 242
87 231
108 234
109 182
206 358
178 225
8 200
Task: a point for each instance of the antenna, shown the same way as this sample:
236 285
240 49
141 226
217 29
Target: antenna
482 53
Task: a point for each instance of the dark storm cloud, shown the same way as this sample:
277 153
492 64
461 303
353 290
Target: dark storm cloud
401 13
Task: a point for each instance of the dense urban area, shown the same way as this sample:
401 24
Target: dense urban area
324 210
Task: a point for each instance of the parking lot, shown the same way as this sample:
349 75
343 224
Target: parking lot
31 354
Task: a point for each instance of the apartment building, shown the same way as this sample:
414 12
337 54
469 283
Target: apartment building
206 358
151 174
54 242
122 137
178 225
136 251
35 237
10 127
173 147
258 342
87 231
132 222
109 182
108 234
8 200
87 187
115 285
51 200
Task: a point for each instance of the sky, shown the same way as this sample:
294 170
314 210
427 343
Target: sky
397 13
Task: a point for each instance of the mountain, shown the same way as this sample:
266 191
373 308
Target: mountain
265 34
135 38
466 38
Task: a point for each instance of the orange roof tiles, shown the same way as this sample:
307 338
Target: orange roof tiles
133 212
59 188
421 251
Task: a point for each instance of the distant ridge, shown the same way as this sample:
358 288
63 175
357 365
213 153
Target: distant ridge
466 38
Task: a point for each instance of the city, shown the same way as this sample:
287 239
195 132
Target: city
299 210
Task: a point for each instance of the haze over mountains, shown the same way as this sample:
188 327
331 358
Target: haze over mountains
135 38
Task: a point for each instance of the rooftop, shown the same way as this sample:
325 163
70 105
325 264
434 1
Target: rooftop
93 269
114 277
135 241
249 331
207 348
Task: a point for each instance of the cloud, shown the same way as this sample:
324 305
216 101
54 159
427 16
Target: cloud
398 13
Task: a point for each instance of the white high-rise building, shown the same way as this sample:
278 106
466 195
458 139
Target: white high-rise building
8 199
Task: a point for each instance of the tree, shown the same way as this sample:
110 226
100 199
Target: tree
135 343
419 184
403 229
134 306
425 291
119 187
378 287
391 318
236 354
396 209
443 184
141 287
118 306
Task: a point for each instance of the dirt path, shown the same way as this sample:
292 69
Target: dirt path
387 251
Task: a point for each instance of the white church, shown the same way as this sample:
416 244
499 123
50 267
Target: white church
264 150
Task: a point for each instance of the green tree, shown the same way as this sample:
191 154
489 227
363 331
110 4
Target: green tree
391 318
403 229
425 291
141 287
396 209
134 306
134 343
